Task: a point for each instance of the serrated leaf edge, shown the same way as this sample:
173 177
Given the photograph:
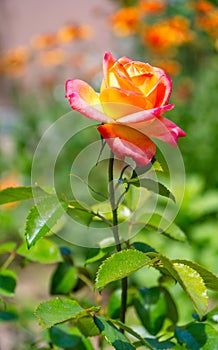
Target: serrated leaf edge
110 257
32 242
194 264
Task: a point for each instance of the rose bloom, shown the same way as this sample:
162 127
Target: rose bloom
132 98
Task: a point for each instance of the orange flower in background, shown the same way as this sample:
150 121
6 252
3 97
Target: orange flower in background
52 57
203 6
126 21
70 32
44 41
152 6
10 180
209 22
85 32
167 33
67 33
207 17
13 63
133 96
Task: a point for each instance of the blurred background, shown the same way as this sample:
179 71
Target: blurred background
44 43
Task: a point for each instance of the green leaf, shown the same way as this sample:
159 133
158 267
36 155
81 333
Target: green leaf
120 265
151 307
198 336
67 337
45 251
14 194
154 165
114 337
153 186
191 281
59 310
80 212
42 218
157 166
86 345
172 312
87 326
210 279
96 254
62 337
129 330
8 281
7 316
160 345
143 247
162 225
194 285
104 209
7 247
63 279
213 315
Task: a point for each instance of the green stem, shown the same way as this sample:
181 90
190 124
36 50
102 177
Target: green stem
112 201
9 260
114 207
124 284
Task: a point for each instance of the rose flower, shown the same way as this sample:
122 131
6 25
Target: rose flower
132 98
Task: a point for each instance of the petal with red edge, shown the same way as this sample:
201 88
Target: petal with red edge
145 115
162 129
111 69
115 75
127 142
85 100
108 63
160 93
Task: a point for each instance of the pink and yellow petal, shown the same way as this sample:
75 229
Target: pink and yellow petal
85 100
144 115
127 142
162 129
84 90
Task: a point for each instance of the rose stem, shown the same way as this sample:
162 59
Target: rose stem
124 282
